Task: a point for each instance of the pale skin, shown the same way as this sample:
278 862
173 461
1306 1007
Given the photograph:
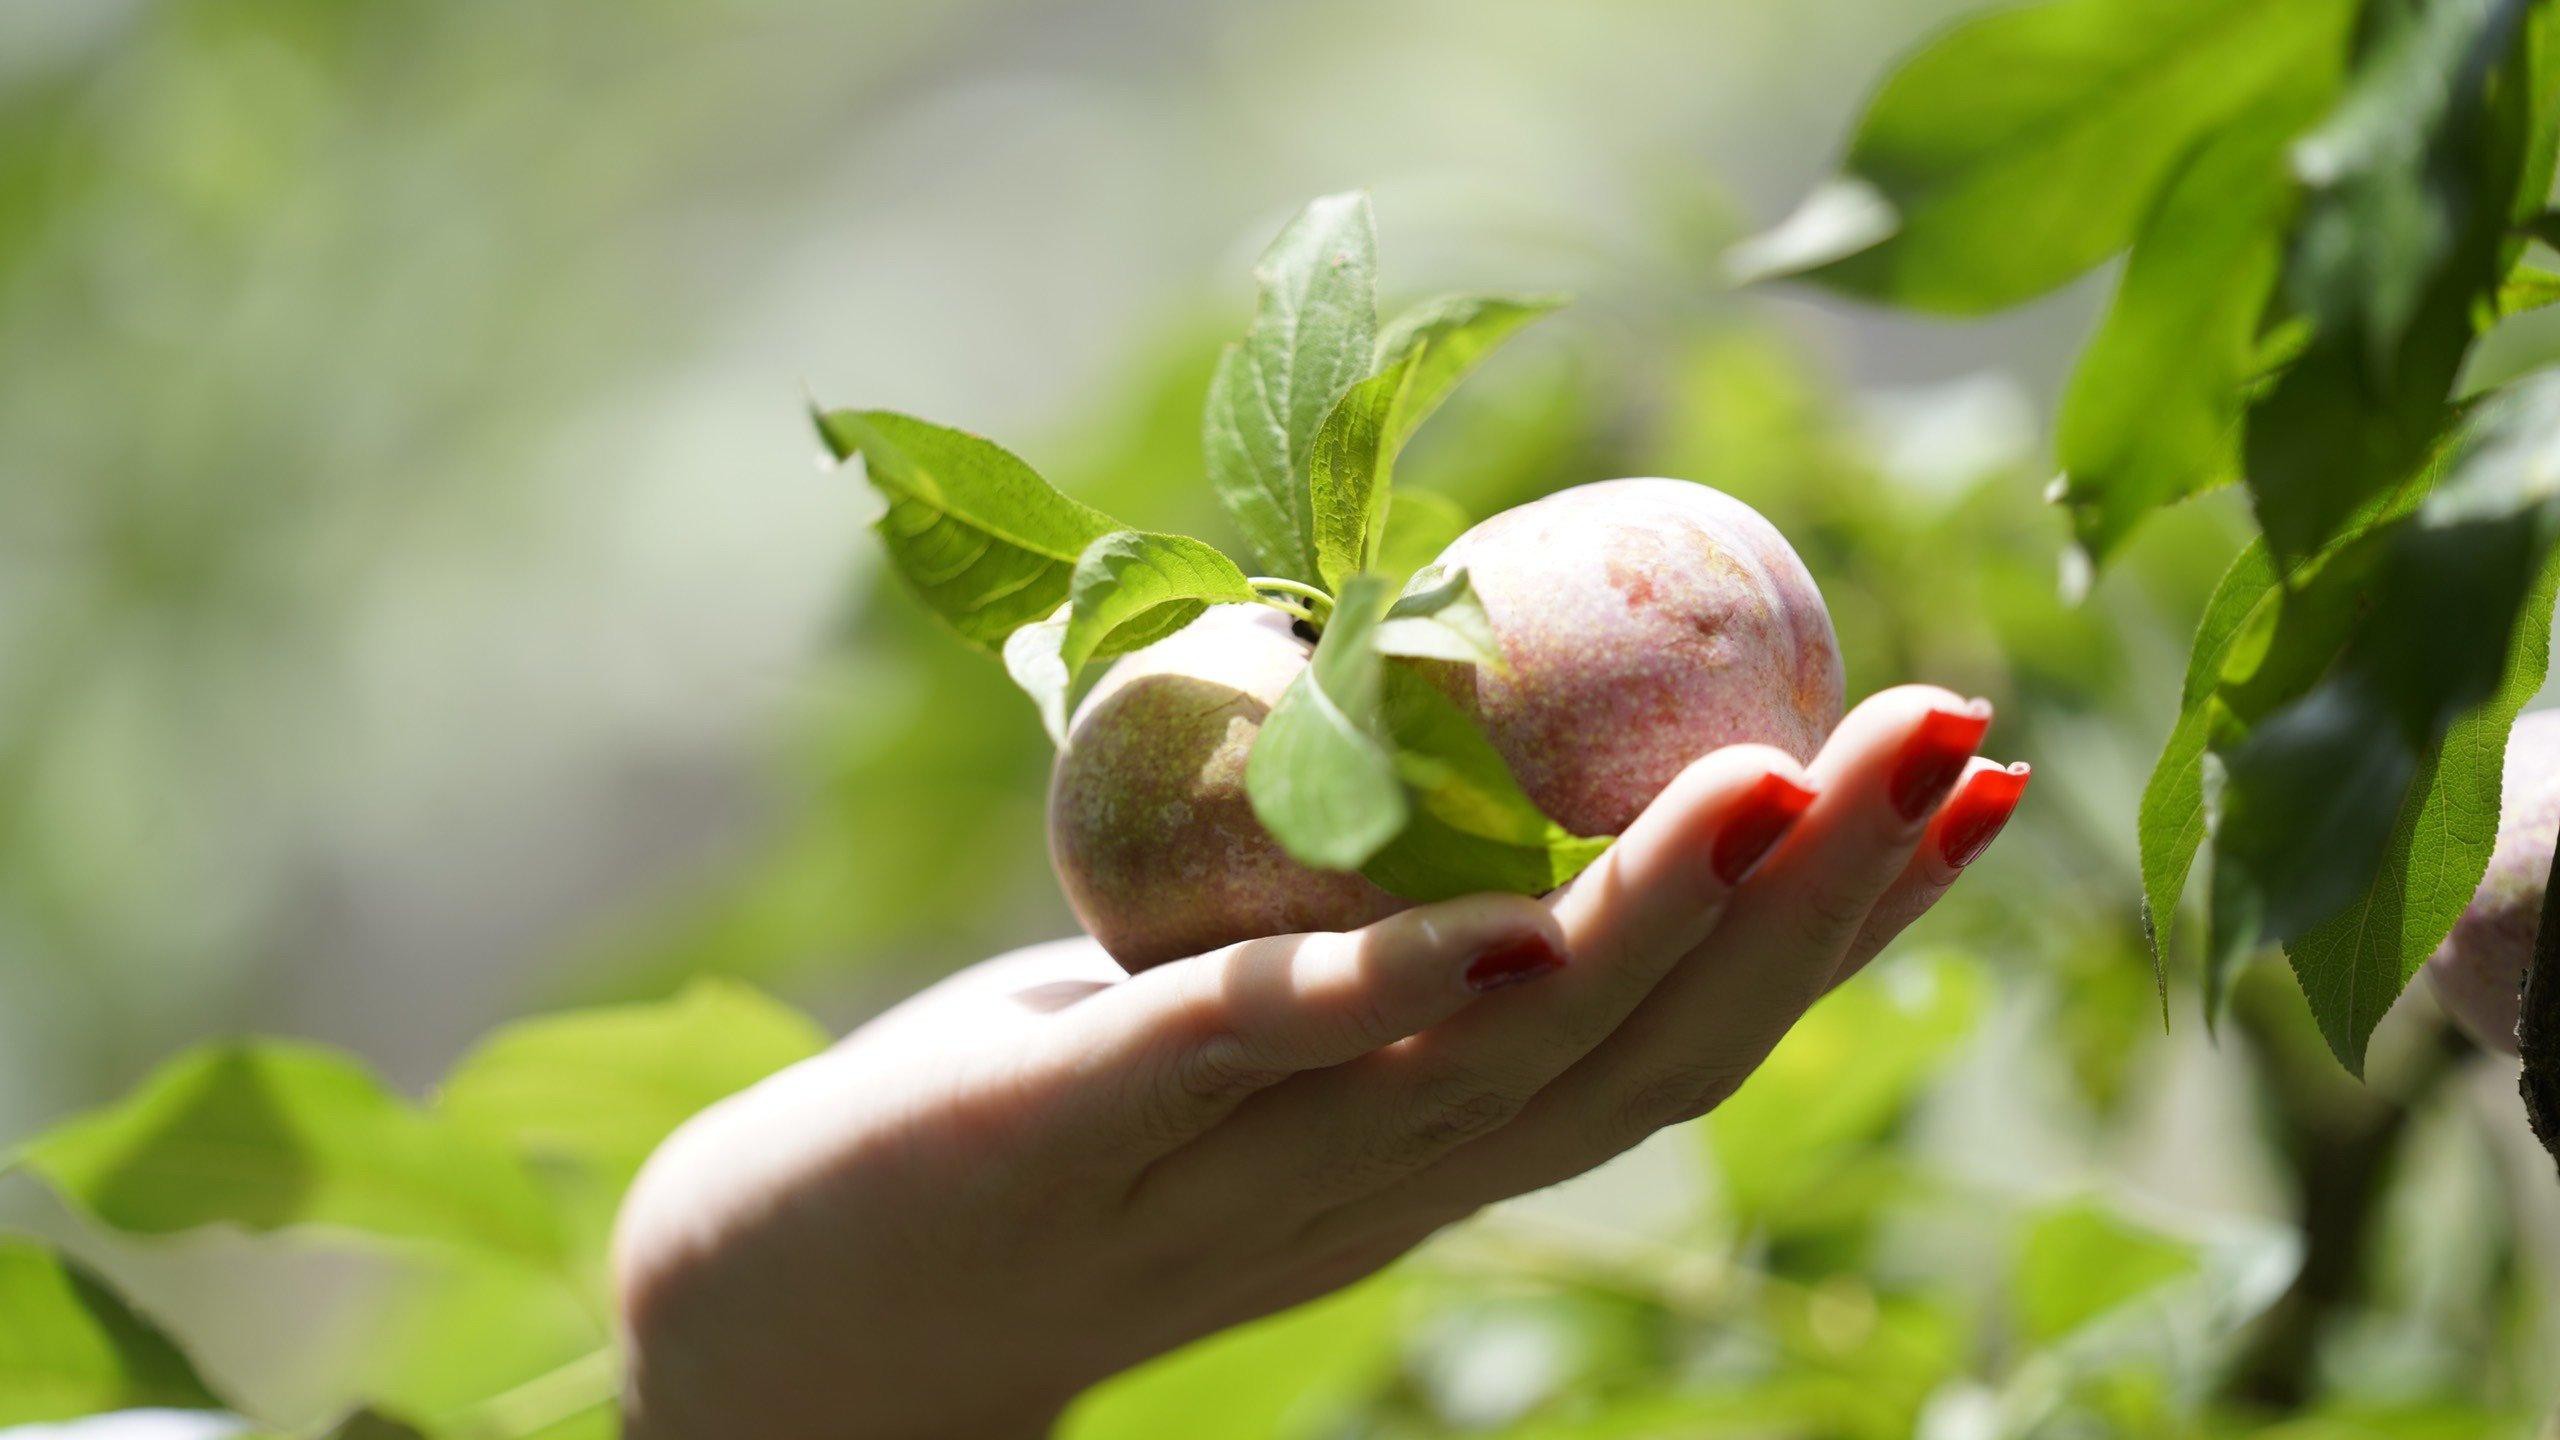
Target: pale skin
1043 1171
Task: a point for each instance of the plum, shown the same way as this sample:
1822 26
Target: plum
1645 622
1150 829
2478 973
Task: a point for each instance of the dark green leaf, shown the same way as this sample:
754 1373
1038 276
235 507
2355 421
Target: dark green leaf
2434 639
1472 828
2413 184
2353 965
1311 340
1439 617
1133 588
70 1347
2022 147
1321 777
602 1087
277 1133
1420 524
987 542
2153 412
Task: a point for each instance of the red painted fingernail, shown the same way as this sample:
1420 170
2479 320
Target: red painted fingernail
1763 817
1509 962
1978 811
1934 756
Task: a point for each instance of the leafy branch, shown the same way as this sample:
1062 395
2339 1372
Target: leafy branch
2321 205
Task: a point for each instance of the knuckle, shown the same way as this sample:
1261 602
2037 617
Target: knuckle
1451 1111
1223 1068
1675 1097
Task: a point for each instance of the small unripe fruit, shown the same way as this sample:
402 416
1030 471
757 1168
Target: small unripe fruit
1150 829
2478 973
1645 622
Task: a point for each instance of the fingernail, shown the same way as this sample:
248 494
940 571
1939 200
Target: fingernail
1935 755
1978 811
1509 962
1763 817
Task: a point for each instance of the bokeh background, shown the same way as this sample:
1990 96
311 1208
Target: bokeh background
420 606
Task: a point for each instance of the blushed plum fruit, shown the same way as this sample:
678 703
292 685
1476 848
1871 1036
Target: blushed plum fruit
2478 973
1150 829
1645 622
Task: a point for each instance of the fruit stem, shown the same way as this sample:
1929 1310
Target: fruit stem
1317 605
2538 1030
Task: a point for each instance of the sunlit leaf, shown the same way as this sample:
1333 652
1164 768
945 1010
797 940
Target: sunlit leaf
69 1346
2153 412
2023 146
1133 588
1321 777
1440 617
987 542
1312 339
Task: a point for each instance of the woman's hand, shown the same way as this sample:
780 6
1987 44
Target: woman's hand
1043 1171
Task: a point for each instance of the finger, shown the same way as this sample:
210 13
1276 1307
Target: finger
1166 1055
1963 828
1713 1020
1322 1139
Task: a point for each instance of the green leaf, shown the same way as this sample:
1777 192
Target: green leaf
1471 828
2171 822
2024 146
1133 588
1035 656
1420 524
1348 478
270 1134
1440 617
69 1346
1421 357
1321 778
1311 341
1445 339
603 1087
2412 184
2434 638
2353 965
2153 411
1293 1376
980 536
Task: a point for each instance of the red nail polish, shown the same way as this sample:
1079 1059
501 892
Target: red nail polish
1978 811
1509 962
1935 756
1763 817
